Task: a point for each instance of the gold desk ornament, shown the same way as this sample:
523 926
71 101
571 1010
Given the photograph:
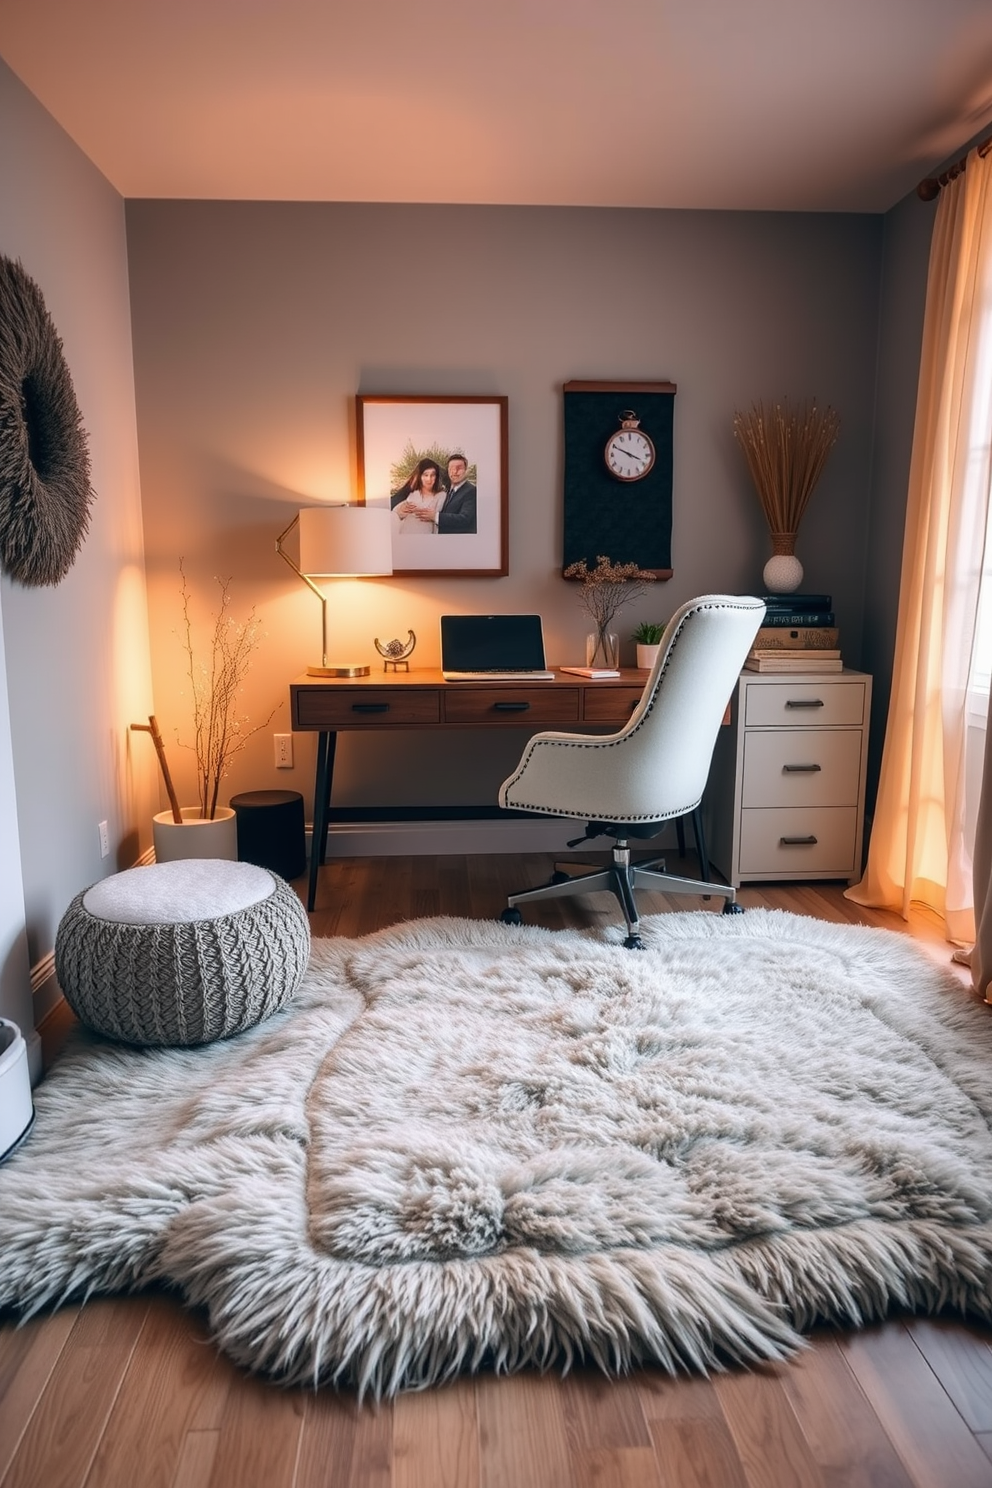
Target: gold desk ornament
396 654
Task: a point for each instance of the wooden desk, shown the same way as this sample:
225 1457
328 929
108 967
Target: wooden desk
422 699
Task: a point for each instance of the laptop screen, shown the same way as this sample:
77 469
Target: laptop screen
479 643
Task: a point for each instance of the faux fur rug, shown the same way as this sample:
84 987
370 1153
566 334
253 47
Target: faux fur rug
470 1146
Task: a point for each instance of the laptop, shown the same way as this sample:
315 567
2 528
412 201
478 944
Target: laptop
493 648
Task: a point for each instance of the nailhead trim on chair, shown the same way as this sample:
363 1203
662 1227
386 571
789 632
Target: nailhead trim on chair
188 983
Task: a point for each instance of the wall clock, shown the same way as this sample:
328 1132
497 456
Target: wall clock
629 452
618 474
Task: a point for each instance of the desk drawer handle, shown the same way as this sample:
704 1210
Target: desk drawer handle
804 703
797 841
800 769
511 707
370 707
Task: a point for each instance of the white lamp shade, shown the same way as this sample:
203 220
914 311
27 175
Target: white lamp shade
345 541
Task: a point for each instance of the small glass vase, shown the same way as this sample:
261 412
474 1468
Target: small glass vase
603 650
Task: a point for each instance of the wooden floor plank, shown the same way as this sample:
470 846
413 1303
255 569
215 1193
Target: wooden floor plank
616 1467
196 1459
926 1430
839 1425
770 1444
259 1436
522 1432
961 1357
345 1445
28 1355
174 1385
601 1413
64 1431
436 1438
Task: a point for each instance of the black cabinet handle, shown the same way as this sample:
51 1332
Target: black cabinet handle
370 707
511 707
800 769
804 703
797 841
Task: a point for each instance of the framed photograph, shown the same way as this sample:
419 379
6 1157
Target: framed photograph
440 465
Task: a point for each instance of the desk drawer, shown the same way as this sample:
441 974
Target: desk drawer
818 840
802 767
610 704
366 707
514 705
805 704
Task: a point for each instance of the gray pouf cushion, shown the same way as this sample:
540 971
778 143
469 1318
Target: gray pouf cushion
182 953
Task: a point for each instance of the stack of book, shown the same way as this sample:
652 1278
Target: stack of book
798 635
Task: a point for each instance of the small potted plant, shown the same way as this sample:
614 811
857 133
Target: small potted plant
648 637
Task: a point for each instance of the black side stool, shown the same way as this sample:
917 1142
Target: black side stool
271 831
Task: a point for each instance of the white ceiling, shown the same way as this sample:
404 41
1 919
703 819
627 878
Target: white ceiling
771 104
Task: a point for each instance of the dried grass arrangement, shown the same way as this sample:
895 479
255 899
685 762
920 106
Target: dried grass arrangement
605 590
786 449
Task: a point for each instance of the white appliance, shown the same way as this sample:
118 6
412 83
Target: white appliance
16 1106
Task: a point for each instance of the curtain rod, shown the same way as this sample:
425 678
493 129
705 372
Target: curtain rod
928 189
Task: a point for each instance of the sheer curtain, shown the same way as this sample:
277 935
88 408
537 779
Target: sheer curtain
917 850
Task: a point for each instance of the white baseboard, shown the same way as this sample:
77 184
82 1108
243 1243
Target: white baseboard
415 838
45 990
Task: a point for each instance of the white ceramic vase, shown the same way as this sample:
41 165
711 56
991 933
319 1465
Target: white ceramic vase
647 655
195 837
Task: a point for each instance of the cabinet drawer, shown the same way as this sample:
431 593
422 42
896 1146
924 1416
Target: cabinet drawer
365 707
514 705
610 704
806 704
818 840
802 767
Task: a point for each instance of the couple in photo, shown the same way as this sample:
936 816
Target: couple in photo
432 501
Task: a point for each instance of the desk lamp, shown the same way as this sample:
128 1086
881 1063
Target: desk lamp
339 542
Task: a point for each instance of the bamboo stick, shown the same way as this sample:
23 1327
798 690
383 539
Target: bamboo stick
151 727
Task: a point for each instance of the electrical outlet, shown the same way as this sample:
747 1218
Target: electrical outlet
104 840
284 751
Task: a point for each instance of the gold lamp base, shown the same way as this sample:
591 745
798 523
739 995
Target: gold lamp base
338 671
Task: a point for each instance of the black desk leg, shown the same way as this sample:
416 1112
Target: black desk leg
323 782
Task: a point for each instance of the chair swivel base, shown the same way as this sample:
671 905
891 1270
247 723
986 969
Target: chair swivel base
621 879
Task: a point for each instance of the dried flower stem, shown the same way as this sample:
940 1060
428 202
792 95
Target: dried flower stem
218 731
607 588
786 450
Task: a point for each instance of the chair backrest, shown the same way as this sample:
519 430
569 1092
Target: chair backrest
673 730
656 767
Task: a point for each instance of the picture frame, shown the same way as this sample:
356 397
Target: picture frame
452 522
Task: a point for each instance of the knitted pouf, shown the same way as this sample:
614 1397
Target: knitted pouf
182 953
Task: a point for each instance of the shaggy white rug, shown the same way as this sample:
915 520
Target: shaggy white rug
469 1146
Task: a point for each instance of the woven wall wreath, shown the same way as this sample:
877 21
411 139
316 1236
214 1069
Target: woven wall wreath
45 490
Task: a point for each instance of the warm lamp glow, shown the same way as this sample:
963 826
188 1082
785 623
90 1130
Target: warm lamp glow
339 542
345 541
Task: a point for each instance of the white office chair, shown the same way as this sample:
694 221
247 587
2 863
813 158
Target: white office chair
630 783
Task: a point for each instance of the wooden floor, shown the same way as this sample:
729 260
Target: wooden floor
128 1391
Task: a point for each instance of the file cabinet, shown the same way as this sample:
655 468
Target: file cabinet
786 793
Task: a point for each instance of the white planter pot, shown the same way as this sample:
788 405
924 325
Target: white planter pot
195 838
647 655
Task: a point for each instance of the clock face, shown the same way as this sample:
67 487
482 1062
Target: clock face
629 454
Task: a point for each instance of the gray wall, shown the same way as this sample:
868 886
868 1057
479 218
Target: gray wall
255 324
76 655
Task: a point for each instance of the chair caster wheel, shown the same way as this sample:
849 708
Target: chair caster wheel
511 917
558 877
732 907
633 943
